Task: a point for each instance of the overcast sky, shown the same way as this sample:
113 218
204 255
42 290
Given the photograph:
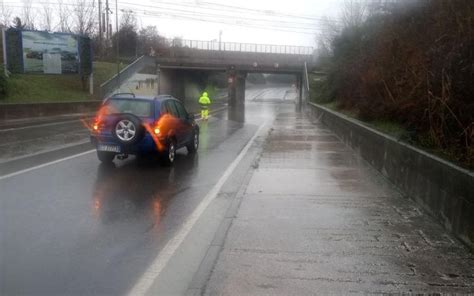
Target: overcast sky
263 31
289 22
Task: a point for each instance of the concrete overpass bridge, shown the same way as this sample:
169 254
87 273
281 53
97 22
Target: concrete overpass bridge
167 70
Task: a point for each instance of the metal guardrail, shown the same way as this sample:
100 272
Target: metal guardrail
108 87
240 47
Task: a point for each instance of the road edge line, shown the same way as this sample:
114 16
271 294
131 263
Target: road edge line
147 279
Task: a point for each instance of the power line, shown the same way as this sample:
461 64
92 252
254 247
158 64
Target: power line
170 16
265 12
183 12
213 18
220 17
240 24
244 23
212 15
239 10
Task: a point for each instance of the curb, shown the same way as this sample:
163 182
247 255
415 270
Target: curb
201 277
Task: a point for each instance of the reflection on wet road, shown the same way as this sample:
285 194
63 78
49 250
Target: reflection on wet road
274 93
79 227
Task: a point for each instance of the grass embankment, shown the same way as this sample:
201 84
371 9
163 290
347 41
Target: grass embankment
35 88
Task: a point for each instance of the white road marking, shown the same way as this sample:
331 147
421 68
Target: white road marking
45 165
39 125
210 113
61 159
161 260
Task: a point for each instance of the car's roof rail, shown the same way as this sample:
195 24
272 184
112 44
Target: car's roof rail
122 94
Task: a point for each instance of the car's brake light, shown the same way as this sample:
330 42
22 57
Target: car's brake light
97 124
157 131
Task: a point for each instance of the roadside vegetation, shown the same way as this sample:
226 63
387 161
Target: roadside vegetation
35 88
406 67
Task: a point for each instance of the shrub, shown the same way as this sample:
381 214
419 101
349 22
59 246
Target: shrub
3 83
413 66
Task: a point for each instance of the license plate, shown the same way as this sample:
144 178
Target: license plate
108 148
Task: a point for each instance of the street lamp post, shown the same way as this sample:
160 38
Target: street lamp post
220 39
117 44
158 74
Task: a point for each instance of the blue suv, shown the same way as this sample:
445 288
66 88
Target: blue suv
128 124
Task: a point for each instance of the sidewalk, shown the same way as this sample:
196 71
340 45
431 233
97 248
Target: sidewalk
316 219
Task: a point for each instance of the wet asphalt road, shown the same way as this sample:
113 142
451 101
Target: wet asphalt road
77 227
301 214
26 140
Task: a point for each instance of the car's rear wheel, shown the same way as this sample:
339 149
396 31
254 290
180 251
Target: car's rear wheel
105 157
169 155
194 144
128 129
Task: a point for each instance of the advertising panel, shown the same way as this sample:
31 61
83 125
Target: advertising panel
49 53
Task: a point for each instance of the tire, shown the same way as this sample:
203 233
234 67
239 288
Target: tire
105 157
130 123
194 145
169 155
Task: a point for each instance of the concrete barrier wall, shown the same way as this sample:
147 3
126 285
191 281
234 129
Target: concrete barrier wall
19 111
108 87
444 190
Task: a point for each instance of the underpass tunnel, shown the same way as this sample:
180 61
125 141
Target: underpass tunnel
188 85
279 87
227 87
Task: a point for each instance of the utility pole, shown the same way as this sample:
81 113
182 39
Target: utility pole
117 44
107 10
100 27
220 39
158 77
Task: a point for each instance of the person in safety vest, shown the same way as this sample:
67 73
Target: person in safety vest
204 101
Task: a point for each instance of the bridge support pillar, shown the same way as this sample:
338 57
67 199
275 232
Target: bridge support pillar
236 88
172 82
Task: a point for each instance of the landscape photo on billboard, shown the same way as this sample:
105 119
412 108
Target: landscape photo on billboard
49 53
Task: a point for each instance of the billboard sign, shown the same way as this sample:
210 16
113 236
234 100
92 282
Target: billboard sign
49 53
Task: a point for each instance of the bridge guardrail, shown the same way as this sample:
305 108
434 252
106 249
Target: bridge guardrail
241 47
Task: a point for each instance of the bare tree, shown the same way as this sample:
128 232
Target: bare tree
5 15
354 13
330 29
128 19
84 17
47 13
64 17
28 15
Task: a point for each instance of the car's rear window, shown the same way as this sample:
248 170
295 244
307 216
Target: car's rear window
136 107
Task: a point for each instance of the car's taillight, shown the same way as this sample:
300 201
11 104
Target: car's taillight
97 124
155 128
